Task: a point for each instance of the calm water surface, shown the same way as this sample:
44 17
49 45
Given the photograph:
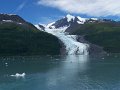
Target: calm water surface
98 72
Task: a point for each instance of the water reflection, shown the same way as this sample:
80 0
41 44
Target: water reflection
68 71
77 62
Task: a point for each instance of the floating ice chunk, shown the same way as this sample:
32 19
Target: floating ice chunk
6 63
18 75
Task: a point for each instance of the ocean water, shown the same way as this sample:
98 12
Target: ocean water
72 72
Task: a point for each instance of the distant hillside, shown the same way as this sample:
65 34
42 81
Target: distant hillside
103 33
18 37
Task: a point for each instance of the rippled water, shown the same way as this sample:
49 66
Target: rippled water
81 72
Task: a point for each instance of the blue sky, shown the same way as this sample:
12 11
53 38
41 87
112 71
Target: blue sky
46 11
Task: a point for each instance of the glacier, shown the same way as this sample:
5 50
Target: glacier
72 46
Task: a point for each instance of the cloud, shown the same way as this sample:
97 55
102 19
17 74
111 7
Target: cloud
89 7
21 6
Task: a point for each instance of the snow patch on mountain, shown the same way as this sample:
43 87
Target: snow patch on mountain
37 26
81 20
50 25
44 25
94 19
7 20
7 14
20 23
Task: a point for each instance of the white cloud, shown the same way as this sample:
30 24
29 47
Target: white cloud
21 6
88 7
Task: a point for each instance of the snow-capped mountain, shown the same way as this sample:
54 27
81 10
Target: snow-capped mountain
67 21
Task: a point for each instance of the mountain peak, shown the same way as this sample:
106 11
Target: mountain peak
70 17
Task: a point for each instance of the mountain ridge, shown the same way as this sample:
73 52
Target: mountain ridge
72 22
